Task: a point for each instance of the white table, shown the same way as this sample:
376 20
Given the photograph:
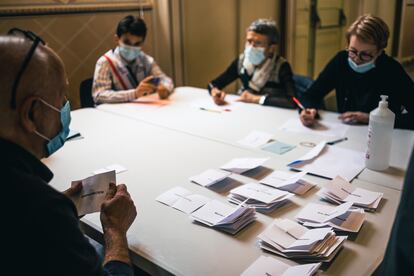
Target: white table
229 127
164 240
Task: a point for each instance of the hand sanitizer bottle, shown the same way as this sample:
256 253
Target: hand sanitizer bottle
380 128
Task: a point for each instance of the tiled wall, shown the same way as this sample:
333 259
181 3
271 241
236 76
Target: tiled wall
79 39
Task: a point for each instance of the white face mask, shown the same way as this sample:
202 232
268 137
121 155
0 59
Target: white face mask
129 53
255 55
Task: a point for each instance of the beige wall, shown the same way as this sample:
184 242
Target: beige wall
79 39
213 33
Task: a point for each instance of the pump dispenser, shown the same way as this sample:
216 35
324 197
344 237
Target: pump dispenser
380 128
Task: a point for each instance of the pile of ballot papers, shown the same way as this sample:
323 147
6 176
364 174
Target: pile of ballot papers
288 181
291 240
241 165
262 198
224 217
339 191
342 217
209 212
266 265
210 177
182 199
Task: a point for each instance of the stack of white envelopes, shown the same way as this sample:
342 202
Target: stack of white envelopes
271 266
210 177
262 198
241 165
342 217
224 217
339 191
289 239
288 181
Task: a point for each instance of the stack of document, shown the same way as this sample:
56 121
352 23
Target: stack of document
286 181
262 198
342 217
182 200
224 217
339 191
294 241
241 165
330 161
271 266
210 177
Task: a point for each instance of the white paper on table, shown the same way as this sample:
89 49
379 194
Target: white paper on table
305 270
333 161
213 212
322 213
259 192
240 165
347 192
288 181
269 266
323 128
314 152
210 177
114 167
182 199
94 189
256 139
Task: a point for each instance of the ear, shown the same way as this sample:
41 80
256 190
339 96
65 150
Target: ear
272 49
116 39
29 113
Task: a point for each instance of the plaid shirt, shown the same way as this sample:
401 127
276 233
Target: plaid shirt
106 87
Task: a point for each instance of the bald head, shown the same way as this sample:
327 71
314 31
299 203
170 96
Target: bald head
32 122
44 75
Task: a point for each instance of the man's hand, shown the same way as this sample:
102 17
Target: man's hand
145 87
218 96
248 97
308 116
117 214
163 92
75 189
354 117
118 210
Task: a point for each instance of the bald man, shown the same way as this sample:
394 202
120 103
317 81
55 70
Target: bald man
40 228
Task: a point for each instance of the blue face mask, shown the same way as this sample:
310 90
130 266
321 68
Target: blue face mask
129 53
57 142
362 68
255 55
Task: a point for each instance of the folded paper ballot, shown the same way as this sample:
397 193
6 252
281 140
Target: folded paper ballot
342 217
288 181
210 177
256 139
182 200
267 266
292 240
262 198
241 165
224 217
94 189
339 190
330 161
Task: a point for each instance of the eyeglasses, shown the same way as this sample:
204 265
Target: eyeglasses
361 55
36 40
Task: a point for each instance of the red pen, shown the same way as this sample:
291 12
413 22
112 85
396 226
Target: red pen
298 103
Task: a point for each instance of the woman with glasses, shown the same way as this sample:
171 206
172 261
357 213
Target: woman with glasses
360 74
